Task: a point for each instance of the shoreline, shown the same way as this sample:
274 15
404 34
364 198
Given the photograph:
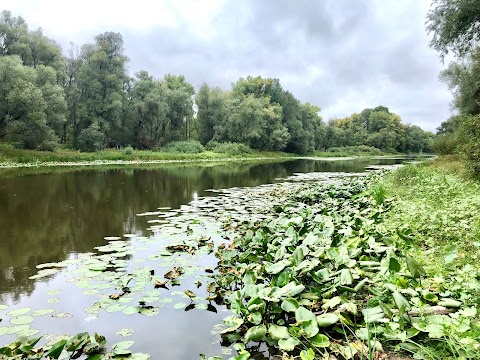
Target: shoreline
14 165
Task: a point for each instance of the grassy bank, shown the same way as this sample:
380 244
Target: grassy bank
436 207
10 156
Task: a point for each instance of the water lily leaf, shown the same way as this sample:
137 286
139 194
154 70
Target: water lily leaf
53 300
292 289
115 308
22 320
43 273
346 277
288 344
139 356
327 319
124 344
42 312
149 311
255 318
18 329
3 307
130 310
331 303
275 268
320 340
255 333
290 305
278 332
3 330
125 332
18 312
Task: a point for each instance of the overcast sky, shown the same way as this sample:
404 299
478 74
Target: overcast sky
341 55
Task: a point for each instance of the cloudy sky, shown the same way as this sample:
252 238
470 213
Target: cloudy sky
341 55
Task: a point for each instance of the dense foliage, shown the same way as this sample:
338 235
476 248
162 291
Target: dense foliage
455 25
88 101
326 275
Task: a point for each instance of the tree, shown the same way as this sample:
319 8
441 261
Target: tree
27 98
149 109
179 98
455 25
102 83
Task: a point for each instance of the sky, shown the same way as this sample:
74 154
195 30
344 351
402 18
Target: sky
341 55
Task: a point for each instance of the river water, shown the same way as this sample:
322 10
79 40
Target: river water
65 214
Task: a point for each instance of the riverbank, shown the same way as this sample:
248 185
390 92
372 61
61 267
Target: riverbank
18 158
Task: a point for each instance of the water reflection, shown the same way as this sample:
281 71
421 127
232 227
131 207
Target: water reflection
45 217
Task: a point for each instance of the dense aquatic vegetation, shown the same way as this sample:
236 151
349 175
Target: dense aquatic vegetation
325 276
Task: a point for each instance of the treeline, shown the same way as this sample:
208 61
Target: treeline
455 27
88 101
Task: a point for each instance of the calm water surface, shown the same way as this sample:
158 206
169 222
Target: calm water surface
50 217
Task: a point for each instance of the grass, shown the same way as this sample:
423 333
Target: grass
440 204
10 155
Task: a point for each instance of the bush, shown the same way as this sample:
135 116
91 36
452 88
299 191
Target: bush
229 148
357 149
91 139
188 147
127 151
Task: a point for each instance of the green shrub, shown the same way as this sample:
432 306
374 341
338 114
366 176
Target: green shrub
91 139
188 147
229 148
357 149
127 150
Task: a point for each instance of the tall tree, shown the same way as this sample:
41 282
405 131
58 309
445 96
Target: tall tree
29 101
102 83
455 25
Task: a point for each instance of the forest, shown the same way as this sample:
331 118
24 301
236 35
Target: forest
87 100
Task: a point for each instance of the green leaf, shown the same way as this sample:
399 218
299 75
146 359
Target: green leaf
298 256
275 268
414 267
290 305
56 349
320 340
307 354
346 277
255 318
278 332
288 344
394 265
22 320
331 303
450 253
400 301
255 333
328 319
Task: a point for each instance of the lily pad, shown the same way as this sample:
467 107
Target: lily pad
130 310
125 332
42 312
22 320
3 307
3 330
18 312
